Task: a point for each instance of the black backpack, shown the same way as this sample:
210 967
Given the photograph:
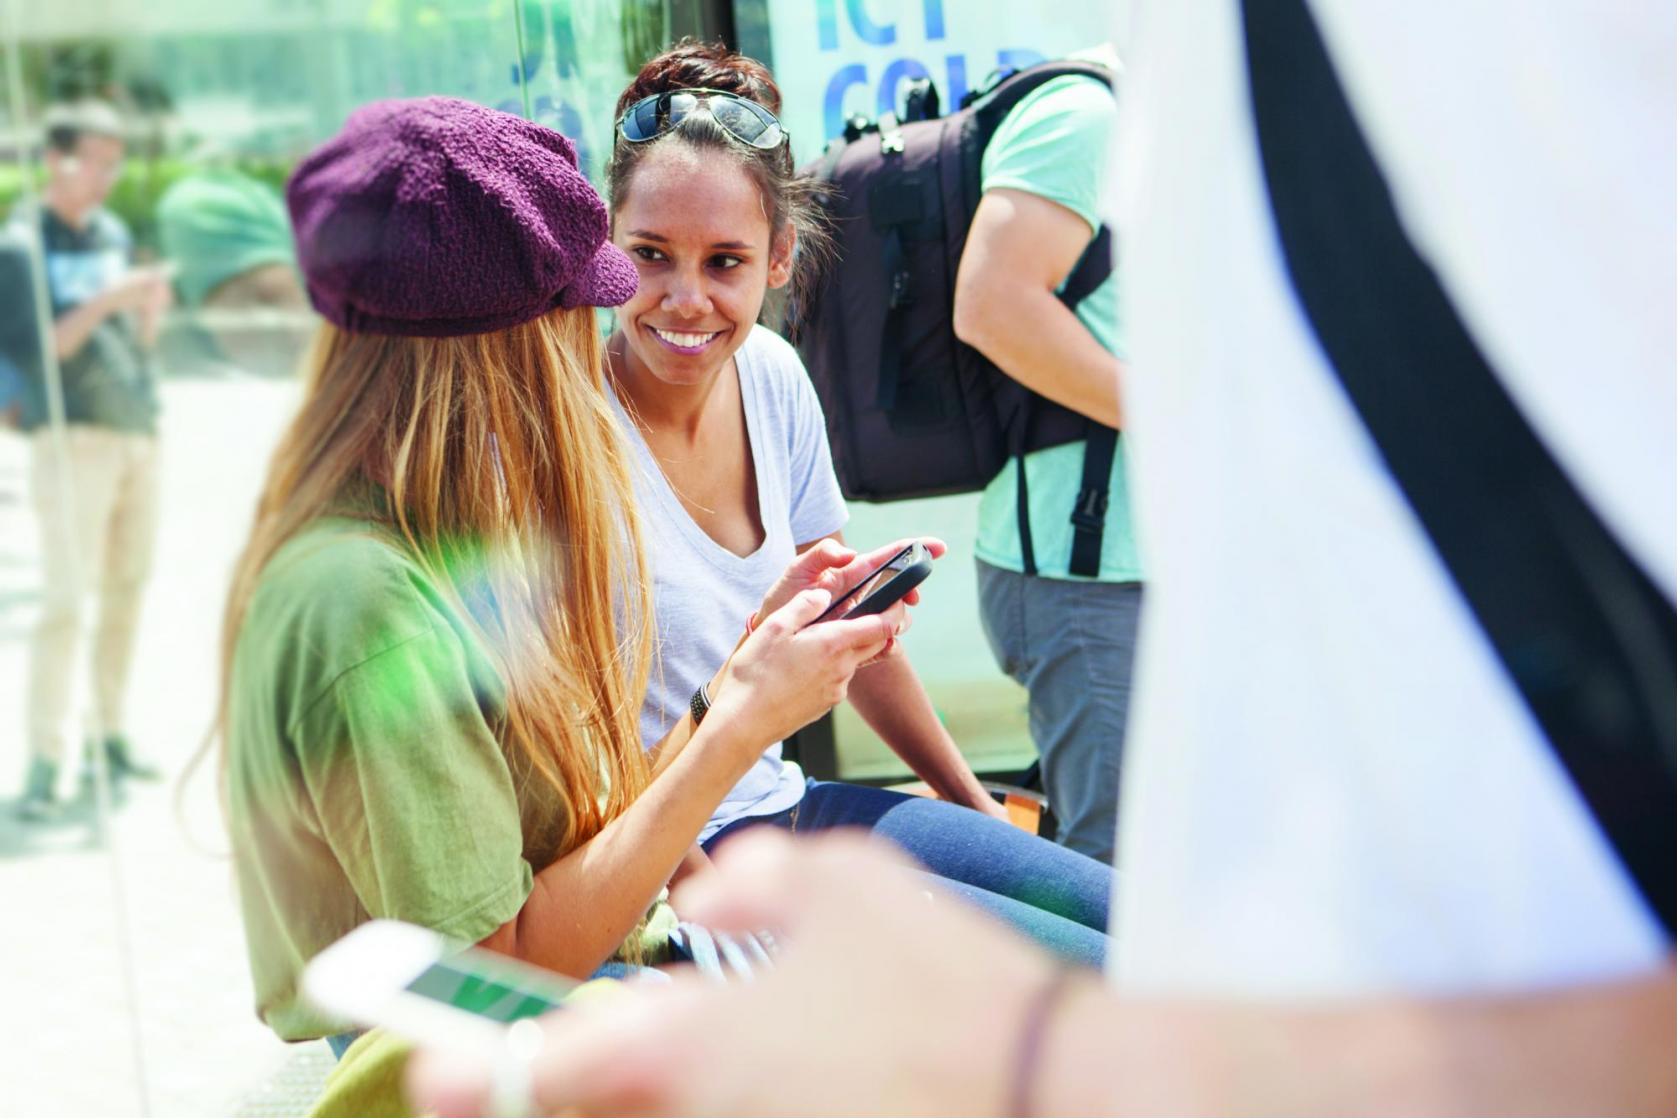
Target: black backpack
911 410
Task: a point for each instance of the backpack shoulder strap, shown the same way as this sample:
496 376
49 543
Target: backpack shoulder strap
1088 516
1092 269
1005 97
1583 633
1100 447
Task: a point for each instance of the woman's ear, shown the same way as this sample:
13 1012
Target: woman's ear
781 256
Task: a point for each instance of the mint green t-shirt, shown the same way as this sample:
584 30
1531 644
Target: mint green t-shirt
1054 144
365 774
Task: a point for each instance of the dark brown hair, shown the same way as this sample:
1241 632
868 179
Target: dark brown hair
787 196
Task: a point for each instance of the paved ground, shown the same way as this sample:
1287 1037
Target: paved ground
129 951
125 992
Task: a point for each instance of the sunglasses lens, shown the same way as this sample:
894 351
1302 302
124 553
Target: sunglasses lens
640 123
736 118
679 107
745 120
759 127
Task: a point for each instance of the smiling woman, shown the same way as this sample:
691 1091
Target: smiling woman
701 287
706 258
735 479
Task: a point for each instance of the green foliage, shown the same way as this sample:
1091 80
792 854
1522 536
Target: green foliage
70 69
645 29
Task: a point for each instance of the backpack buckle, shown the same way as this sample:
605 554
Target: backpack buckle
1090 511
900 294
890 135
856 126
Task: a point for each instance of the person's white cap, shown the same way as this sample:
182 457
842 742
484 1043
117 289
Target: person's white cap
84 118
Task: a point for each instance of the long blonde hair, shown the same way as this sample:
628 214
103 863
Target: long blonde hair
502 444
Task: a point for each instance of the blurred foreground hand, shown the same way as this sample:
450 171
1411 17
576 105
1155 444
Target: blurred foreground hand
855 1019
890 1001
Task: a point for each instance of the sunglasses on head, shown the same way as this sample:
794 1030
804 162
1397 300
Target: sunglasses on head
746 121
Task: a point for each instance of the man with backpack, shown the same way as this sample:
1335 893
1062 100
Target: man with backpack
966 340
1065 631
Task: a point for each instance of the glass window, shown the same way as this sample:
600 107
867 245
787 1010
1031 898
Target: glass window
153 326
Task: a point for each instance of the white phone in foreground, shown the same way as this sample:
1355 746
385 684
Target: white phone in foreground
419 985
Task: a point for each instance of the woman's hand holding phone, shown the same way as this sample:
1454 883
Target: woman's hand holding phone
817 567
787 673
831 566
781 679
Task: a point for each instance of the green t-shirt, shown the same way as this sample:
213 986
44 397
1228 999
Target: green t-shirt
1054 144
365 775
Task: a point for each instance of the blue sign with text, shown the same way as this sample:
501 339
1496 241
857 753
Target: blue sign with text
837 58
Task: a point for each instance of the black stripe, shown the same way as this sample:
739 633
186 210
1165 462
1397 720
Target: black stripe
1587 638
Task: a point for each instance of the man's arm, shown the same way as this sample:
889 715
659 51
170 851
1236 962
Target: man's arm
152 311
72 329
137 291
1593 1050
1020 249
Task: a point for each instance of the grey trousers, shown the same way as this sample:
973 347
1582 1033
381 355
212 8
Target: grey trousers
1071 644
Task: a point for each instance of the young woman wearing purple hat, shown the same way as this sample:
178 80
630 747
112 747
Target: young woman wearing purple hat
437 641
735 480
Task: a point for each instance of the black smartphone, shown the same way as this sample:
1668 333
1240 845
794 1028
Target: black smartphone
881 590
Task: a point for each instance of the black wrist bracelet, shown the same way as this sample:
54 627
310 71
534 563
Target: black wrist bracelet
1038 1012
699 705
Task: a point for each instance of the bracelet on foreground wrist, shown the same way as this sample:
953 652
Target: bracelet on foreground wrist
1038 1012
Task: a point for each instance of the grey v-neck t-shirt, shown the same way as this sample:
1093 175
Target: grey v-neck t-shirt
702 592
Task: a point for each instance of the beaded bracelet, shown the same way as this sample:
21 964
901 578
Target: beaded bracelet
1037 1015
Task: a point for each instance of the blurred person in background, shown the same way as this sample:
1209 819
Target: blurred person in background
97 501
229 239
1067 637
1365 870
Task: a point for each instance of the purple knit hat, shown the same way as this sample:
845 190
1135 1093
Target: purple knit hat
436 217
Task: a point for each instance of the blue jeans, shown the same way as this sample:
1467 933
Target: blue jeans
1055 896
